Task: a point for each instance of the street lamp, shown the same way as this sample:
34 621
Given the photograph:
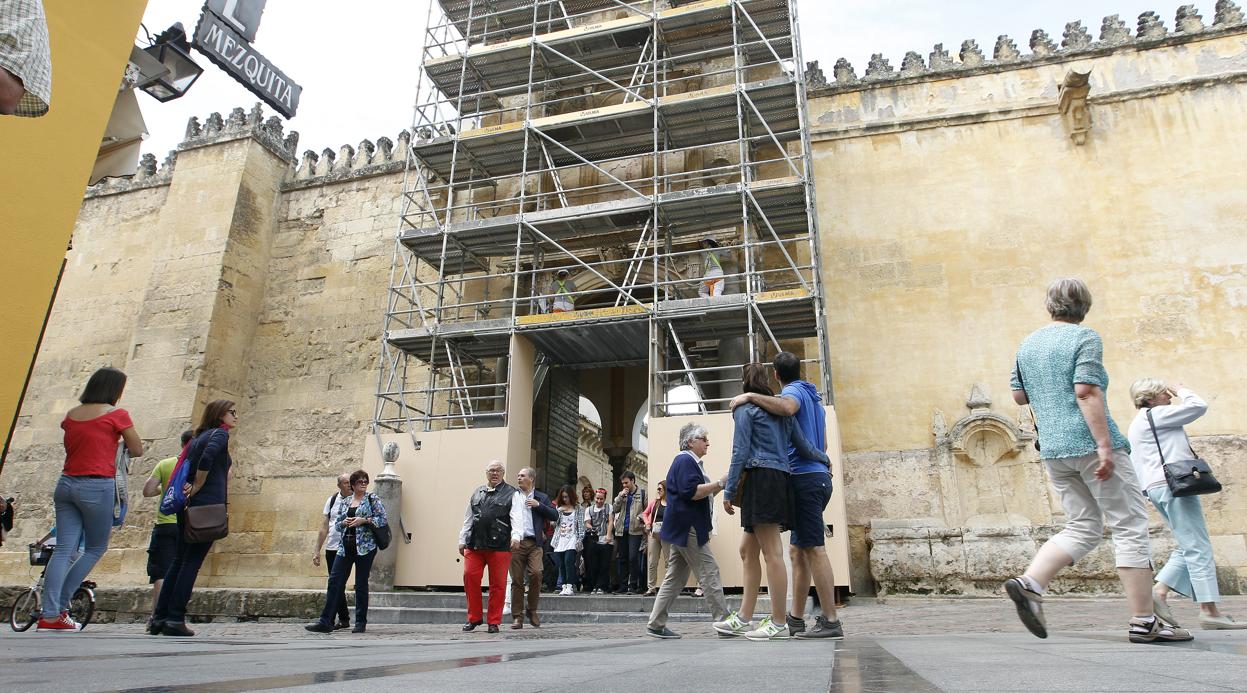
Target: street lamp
172 50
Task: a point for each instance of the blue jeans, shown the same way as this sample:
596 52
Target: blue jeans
84 507
1190 570
566 563
175 593
337 584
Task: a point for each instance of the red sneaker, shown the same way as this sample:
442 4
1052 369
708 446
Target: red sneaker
61 623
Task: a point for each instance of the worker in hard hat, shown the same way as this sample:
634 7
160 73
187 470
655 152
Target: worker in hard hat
563 290
711 269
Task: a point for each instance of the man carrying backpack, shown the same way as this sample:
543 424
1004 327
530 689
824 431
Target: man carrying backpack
164 542
330 538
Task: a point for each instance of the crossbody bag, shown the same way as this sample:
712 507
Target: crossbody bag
1191 477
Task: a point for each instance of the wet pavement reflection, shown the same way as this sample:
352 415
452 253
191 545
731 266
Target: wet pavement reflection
864 666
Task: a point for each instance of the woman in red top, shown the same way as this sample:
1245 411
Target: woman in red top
84 495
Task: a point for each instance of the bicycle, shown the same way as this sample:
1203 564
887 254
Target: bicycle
25 610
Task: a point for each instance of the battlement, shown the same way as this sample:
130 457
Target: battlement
1076 43
368 159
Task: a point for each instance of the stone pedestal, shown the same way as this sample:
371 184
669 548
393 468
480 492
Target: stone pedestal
390 490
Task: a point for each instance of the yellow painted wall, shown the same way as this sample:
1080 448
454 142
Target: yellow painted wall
46 162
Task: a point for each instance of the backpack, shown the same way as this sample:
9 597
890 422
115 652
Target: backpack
174 500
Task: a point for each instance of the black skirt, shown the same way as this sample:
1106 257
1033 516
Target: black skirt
765 498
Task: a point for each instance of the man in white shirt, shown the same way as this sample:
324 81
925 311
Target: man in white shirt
527 557
330 539
493 525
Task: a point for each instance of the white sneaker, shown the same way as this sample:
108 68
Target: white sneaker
768 630
732 626
567 591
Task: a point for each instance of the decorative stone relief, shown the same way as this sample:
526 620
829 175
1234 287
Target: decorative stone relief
1073 105
814 76
985 479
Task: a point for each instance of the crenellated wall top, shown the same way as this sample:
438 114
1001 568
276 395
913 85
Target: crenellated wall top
1076 42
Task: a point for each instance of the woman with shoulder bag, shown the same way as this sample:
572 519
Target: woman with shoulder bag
658 550
358 517
86 490
1156 437
207 493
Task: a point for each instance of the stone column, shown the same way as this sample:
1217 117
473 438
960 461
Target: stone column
389 488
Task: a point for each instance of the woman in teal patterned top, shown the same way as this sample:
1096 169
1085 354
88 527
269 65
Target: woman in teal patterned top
1059 371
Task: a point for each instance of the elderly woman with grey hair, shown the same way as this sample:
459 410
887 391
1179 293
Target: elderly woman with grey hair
1156 435
686 527
1059 371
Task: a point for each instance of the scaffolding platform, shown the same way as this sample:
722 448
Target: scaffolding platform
706 116
690 213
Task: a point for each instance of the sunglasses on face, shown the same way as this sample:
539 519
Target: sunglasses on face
362 481
233 412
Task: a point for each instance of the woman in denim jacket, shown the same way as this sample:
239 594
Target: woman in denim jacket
757 482
356 517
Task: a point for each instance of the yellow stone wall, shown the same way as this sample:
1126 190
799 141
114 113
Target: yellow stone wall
948 202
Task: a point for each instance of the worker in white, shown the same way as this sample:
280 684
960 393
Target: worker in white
563 290
711 269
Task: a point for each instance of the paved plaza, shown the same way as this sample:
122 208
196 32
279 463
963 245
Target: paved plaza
899 645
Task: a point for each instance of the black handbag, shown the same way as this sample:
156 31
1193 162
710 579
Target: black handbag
381 534
1191 477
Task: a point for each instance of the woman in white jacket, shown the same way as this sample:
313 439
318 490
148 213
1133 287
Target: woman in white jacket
1190 570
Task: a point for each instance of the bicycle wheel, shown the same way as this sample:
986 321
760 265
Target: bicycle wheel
82 606
25 611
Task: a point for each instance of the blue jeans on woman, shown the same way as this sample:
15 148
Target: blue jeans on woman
566 563
84 507
1190 570
337 584
175 594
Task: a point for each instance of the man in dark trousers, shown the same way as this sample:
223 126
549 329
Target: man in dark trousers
330 539
527 555
629 534
492 524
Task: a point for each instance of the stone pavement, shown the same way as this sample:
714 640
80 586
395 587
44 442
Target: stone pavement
896 645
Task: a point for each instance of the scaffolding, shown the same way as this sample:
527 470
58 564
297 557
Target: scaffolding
637 144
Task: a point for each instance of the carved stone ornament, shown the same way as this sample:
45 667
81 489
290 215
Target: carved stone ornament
982 438
1073 105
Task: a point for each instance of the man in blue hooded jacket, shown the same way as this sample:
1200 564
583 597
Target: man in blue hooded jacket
811 491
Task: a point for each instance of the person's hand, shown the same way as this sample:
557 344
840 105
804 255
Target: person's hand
580 545
1105 469
316 559
1173 389
515 544
739 400
532 502
727 507
186 490
462 549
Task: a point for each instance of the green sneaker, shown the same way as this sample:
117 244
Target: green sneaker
733 626
768 630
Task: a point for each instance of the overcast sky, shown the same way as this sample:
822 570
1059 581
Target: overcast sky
357 61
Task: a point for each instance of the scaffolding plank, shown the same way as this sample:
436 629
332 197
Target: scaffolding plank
704 116
686 213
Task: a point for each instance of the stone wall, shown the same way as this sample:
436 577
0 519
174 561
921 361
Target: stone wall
950 193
